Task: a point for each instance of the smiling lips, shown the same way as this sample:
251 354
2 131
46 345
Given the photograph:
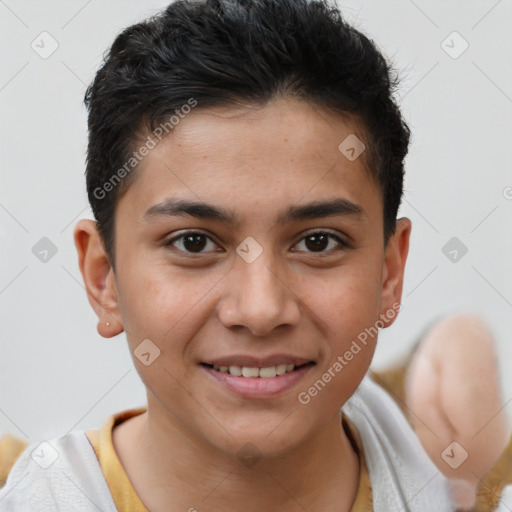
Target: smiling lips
251 367
253 377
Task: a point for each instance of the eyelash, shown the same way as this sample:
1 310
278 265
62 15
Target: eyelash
342 243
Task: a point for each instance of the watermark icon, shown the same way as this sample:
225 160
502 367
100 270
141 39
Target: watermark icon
137 156
249 250
44 454
454 45
507 193
44 250
351 147
304 397
146 352
454 249
454 455
249 455
44 45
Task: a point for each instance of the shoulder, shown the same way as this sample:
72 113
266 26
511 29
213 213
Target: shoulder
398 466
56 474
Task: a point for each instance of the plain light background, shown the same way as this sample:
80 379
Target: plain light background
57 374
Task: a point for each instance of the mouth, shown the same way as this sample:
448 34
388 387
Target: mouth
252 378
257 372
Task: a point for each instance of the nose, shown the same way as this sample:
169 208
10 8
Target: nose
258 298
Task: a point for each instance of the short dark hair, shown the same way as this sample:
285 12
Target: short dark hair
235 53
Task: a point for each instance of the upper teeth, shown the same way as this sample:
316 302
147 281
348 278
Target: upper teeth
252 372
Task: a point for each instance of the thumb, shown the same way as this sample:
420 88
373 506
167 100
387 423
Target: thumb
463 493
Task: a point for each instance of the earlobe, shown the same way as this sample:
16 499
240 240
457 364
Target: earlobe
98 277
393 270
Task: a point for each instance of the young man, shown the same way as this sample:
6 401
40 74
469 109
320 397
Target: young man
245 170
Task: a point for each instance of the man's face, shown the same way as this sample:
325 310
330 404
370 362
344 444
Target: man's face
260 290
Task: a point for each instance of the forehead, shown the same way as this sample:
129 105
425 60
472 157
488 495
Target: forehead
256 160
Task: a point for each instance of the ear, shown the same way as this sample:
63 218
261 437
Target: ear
99 278
393 271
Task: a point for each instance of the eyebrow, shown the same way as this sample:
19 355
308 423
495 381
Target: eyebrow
314 210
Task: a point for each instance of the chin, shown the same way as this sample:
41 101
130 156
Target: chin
268 437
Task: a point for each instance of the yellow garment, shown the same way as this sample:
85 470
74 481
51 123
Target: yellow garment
123 493
125 497
363 501
10 449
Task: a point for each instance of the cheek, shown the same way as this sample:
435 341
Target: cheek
349 301
147 303
350 309
157 309
164 306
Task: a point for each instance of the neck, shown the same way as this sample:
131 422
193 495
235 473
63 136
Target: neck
320 474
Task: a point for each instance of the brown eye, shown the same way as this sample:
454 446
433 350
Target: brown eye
194 243
191 242
318 242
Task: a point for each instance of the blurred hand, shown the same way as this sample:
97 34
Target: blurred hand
453 390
